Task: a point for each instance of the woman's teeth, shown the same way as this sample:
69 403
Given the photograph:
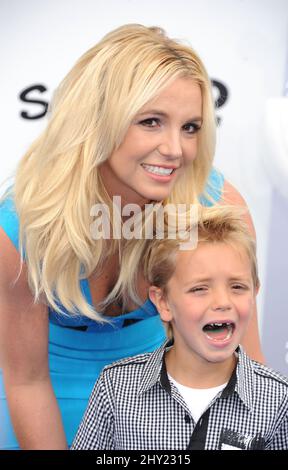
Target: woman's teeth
158 170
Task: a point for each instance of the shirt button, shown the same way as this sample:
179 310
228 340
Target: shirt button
187 419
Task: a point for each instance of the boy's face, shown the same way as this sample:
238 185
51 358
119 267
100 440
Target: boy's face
209 301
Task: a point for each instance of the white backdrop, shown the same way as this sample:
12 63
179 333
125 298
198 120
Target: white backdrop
244 46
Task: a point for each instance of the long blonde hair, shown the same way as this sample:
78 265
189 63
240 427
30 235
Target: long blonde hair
57 181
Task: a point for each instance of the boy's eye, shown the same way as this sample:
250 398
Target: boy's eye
191 127
199 289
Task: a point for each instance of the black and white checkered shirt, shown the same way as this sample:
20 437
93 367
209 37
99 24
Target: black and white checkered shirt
134 406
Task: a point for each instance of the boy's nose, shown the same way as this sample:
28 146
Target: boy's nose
222 308
221 301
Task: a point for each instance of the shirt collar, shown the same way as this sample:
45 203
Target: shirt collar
241 380
155 370
245 383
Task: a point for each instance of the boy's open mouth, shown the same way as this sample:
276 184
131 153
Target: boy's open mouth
219 331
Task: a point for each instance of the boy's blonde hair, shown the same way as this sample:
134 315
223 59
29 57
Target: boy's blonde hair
223 224
58 181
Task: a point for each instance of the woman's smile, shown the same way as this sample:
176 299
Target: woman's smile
160 143
160 173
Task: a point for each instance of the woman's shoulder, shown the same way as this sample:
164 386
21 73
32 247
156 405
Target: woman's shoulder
231 196
221 190
214 188
10 259
9 220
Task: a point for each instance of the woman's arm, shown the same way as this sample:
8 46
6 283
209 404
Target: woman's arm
251 340
24 358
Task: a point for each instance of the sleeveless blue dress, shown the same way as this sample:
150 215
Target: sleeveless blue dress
79 348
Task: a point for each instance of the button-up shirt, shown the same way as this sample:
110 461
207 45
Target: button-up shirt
134 406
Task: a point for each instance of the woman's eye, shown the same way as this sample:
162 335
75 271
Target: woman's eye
151 122
191 128
239 287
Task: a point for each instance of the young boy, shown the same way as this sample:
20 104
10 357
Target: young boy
199 390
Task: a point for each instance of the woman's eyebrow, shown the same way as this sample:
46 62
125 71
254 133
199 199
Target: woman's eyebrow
153 111
162 113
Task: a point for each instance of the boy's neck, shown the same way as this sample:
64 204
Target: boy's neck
198 374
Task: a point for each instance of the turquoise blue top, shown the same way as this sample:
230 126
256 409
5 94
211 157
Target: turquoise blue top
77 358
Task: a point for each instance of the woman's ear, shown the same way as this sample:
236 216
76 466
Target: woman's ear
257 288
161 302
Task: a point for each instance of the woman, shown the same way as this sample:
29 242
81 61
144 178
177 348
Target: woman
134 118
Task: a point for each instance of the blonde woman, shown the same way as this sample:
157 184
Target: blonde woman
133 119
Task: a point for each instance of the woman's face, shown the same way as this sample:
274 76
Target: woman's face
159 144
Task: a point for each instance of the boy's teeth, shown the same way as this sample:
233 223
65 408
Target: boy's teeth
218 331
213 326
158 170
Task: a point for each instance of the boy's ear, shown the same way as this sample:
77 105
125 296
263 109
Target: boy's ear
160 301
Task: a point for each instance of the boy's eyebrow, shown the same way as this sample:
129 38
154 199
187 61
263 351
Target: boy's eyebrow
234 278
197 279
162 113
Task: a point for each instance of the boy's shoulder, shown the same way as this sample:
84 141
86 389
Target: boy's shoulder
129 361
142 368
267 373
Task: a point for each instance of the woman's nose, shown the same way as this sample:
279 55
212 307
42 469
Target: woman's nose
170 145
